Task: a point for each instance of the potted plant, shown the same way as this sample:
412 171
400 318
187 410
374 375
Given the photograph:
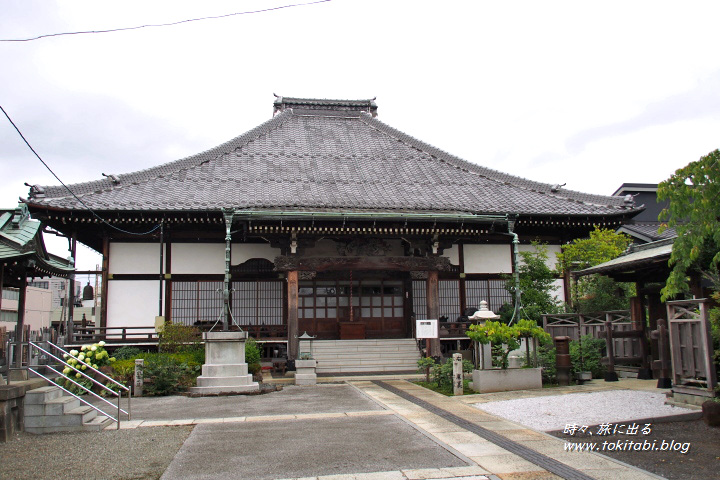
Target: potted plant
504 339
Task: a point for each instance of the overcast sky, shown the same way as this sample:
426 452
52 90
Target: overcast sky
591 94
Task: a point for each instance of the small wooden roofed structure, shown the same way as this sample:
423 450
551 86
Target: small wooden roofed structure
317 170
678 331
23 255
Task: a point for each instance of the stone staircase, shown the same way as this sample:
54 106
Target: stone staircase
49 410
366 356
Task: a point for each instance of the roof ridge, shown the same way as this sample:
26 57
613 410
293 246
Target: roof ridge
487 172
172 166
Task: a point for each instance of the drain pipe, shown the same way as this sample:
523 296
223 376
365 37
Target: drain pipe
516 272
516 276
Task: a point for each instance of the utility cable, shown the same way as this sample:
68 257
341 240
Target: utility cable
68 188
152 25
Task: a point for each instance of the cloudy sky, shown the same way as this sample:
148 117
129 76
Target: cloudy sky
591 94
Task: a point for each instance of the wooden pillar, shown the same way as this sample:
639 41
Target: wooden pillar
461 284
637 313
168 279
20 321
161 267
433 307
105 282
292 314
656 311
71 293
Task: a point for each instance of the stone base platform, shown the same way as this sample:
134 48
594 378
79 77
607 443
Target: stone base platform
226 372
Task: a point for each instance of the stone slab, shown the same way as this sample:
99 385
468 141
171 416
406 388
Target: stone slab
394 446
224 381
217 390
224 336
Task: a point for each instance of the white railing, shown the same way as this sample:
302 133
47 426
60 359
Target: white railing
121 388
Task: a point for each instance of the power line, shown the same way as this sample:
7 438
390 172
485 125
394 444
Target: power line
152 25
68 188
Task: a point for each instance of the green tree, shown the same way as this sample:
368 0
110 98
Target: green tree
693 193
596 293
537 289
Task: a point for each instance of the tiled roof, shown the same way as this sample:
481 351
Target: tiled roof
647 232
650 253
331 160
21 240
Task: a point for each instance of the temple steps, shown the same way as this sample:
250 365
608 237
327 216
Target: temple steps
48 410
365 356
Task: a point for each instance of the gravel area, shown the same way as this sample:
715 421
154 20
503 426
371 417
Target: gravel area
593 408
142 453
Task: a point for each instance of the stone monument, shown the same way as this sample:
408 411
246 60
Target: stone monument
225 370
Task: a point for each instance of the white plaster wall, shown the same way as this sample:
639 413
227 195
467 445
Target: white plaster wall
132 303
552 252
134 258
453 254
560 292
488 258
198 258
242 252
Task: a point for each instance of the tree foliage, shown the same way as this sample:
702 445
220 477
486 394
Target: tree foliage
595 293
693 193
537 288
601 246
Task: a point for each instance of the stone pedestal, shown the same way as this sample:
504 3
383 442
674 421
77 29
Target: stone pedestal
305 372
11 411
498 380
225 370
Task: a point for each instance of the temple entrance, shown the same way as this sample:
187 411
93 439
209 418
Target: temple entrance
363 308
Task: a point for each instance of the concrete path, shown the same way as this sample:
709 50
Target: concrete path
364 430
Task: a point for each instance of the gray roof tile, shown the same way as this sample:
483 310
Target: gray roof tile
308 160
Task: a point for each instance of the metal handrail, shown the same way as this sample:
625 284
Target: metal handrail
117 394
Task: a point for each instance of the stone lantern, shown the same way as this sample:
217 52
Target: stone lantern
305 364
480 317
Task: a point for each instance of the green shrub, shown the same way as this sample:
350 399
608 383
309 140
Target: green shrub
425 364
592 352
179 338
165 374
546 360
252 351
443 373
126 352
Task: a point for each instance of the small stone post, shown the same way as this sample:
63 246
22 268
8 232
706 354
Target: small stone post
457 374
138 384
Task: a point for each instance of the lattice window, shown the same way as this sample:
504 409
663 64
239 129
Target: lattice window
492 291
449 299
257 303
420 298
196 301
331 299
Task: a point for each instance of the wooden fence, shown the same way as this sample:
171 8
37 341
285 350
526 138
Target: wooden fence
574 325
691 349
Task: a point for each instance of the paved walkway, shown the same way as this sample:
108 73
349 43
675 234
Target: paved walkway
369 429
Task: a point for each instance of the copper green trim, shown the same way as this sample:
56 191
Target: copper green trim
319 215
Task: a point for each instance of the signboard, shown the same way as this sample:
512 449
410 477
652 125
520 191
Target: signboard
426 329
